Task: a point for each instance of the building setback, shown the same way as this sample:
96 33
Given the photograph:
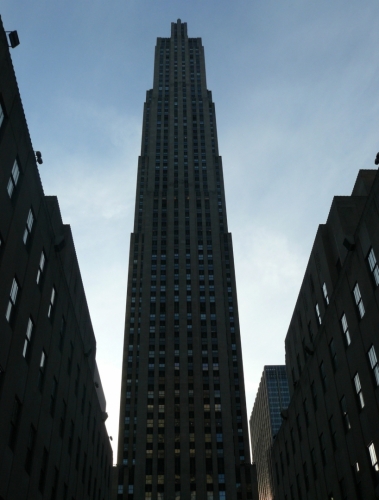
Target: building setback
329 443
53 441
183 427
265 421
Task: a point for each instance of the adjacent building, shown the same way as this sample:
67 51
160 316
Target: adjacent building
53 441
183 426
328 445
266 418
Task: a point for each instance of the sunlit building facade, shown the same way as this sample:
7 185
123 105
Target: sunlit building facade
183 427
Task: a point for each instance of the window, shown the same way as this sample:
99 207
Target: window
374 460
15 421
358 390
28 226
322 448
325 292
373 266
41 266
306 475
314 463
345 330
42 370
345 415
299 427
71 438
358 300
314 394
333 432
12 300
62 332
333 354
28 339
13 179
374 363
42 476
318 314
30 449
53 396
62 422
323 376
69 359
2 114
51 305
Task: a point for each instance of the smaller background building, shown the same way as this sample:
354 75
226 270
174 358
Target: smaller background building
265 421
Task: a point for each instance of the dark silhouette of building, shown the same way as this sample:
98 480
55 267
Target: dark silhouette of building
53 441
183 426
266 418
329 443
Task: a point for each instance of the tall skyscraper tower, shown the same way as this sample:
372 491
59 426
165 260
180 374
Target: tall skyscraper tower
272 398
183 426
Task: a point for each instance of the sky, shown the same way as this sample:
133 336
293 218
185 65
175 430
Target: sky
295 84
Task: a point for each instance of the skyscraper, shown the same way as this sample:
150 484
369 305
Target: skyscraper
272 398
183 427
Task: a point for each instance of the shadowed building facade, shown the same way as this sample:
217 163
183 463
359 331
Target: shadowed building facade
183 427
328 445
53 441
265 421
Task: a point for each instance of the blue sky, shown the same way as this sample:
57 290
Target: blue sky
296 90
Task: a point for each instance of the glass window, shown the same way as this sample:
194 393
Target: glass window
2 114
345 330
374 363
333 354
42 369
52 301
28 227
28 339
13 179
373 457
12 300
345 415
325 292
323 376
41 266
358 300
373 266
318 314
358 390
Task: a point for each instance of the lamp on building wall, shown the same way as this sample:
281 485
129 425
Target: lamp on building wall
13 39
39 157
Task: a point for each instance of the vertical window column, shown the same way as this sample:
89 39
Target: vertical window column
15 174
28 227
28 339
359 301
12 300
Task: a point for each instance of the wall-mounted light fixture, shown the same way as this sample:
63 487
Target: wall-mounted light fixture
39 157
13 39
